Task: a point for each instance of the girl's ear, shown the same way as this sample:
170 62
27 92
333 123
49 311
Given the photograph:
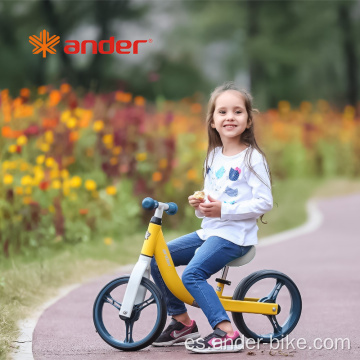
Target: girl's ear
212 125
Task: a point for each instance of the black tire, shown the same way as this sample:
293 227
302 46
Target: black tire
253 325
118 332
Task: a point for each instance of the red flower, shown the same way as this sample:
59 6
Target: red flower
31 130
44 185
18 149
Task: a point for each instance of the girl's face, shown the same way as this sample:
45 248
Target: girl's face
230 118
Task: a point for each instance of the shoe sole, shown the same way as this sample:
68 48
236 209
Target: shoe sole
192 336
227 349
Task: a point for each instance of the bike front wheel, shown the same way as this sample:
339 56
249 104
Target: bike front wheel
280 289
145 324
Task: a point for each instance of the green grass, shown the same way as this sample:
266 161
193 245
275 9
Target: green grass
28 281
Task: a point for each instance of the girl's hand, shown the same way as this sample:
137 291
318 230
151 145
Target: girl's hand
211 209
194 202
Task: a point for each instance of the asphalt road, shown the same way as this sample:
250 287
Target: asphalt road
324 264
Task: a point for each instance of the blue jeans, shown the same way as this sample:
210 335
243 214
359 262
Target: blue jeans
213 254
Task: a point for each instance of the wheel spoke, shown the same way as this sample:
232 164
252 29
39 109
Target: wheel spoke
277 328
109 299
275 291
129 329
141 306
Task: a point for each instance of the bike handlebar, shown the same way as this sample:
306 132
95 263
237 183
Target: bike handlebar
151 204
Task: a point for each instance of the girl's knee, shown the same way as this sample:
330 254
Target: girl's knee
189 277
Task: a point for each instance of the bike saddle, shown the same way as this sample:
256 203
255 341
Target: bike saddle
245 259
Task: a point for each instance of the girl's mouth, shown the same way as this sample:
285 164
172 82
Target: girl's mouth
230 126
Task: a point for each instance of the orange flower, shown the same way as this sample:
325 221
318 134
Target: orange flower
191 174
83 211
73 136
49 123
123 97
139 101
54 97
24 92
196 108
65 88
156 176
42 90
7 132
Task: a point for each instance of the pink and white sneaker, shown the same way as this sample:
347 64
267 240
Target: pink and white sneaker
217 342
177 332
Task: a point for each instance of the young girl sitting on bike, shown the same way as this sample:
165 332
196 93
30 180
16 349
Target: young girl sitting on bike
238 190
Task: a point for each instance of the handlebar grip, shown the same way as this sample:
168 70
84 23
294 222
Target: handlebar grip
173 208
149 204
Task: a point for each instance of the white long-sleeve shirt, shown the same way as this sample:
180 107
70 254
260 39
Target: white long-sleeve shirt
243 196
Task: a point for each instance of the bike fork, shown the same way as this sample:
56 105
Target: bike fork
135 293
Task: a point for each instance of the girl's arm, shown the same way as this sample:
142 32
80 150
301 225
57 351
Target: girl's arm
261 202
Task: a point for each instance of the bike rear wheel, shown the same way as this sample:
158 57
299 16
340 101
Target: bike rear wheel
136 332
282 291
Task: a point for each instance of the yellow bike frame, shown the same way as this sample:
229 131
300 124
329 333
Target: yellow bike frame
154 244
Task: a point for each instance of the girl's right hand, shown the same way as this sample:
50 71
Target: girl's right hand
194 202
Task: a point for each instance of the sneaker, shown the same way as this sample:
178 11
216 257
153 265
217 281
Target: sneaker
217 342
177 332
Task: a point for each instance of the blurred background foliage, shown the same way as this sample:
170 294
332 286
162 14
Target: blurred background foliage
281 50
86 137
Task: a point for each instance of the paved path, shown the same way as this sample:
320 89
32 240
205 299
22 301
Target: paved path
325 265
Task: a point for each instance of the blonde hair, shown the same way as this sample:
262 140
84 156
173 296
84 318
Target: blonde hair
247 137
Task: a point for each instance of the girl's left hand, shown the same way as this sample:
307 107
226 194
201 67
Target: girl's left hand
211 209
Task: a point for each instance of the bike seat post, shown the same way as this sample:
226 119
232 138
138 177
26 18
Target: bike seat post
222 281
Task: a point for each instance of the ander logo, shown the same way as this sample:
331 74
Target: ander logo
44 43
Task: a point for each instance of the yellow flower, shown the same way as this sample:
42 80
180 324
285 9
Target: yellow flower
141 156
71 123
65 116
191 174
54 173
56 184
75 181
98 125
49 136
44 147
27 200
50 162
19 190
108 241
156 176
51 208
117 150
108 139
111 190
24 166
8 179
22 140
40 159
64 173
162 163
28 190
90 185
12 148
26 180
6 165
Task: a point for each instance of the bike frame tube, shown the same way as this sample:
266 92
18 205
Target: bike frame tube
155 245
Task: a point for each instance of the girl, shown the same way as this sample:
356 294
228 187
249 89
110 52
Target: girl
238 189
